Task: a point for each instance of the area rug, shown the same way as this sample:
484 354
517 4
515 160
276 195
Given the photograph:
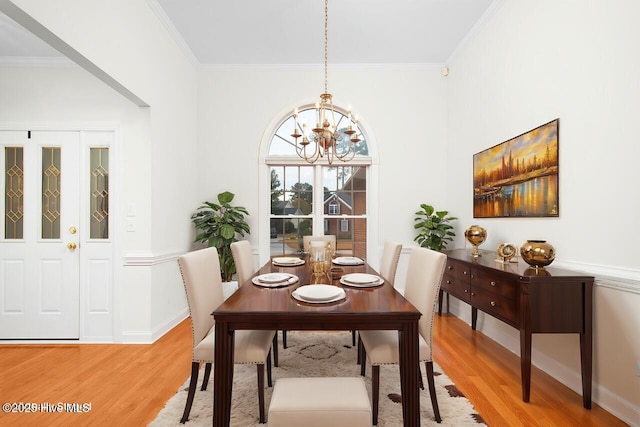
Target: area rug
320 354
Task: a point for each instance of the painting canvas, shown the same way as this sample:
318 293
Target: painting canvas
519 177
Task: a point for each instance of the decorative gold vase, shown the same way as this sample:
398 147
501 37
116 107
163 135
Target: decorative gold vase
475 235
537 253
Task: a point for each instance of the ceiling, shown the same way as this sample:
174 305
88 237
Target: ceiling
287 32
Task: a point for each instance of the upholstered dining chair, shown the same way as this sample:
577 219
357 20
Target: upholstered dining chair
306 244
389 261
203 284
388 267
245 269
424 274
330 239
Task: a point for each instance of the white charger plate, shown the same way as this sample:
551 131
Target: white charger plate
319 293
273 277
291 279
348 260
361 280
287 261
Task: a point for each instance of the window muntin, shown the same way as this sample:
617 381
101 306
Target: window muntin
344 210
283 143
299 188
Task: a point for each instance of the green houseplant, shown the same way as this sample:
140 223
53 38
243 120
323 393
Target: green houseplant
435 232
219 224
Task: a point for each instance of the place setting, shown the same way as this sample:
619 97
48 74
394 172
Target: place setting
348 260
274 280
318 294
361 280
287 261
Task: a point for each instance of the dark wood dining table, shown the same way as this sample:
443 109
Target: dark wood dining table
257 307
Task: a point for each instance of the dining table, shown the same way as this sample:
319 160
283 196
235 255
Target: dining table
253 307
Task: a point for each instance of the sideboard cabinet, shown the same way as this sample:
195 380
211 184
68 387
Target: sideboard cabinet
549 300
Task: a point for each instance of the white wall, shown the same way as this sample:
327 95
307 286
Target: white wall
401 107
532 62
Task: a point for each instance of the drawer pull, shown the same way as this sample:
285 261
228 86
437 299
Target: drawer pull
473 294
472 276
493 303
493 283
464 272
449 267
448 282
466 291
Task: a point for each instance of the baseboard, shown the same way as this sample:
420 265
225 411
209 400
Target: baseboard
136 337
170 324
149 337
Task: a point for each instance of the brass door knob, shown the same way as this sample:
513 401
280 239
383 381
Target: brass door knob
72 245
73 230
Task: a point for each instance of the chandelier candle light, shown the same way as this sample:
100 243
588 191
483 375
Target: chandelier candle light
325 134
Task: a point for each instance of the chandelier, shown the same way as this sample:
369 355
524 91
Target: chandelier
325 140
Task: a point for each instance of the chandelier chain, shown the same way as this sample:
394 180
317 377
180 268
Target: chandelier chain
326 140
326 42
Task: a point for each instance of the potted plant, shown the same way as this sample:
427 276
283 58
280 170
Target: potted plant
219 224
435 232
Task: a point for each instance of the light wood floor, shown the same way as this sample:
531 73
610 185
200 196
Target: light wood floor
127 385
489 376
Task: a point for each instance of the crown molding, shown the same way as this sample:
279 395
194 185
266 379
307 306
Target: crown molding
371 66
472 34
173 32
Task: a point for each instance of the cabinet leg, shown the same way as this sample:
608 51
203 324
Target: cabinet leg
525 363
474 318
586 365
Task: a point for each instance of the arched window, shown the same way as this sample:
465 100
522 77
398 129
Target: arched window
319 198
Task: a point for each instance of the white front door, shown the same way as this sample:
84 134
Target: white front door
40 235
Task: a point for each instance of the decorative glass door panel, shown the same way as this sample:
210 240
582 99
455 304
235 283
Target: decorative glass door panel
99 192
14 192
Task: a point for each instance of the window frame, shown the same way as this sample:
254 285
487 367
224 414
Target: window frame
371 163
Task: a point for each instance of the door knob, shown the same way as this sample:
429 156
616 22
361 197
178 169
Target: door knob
72 245
73 230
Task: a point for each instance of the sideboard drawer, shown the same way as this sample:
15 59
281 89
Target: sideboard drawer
496 305
456 287
458 270
448 284
494 283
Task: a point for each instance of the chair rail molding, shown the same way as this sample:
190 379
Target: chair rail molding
621 279
141 259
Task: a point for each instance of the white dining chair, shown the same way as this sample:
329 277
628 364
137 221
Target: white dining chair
389 261
330 239
245 269
388 268
203 285
306 245
424 275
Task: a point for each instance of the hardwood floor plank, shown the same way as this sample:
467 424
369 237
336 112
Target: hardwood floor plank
127 385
